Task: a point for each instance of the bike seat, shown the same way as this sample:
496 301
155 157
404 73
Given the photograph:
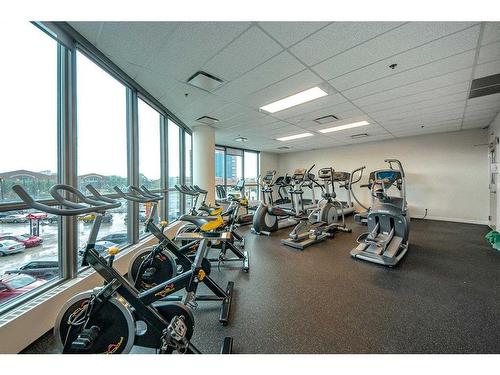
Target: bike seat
198 221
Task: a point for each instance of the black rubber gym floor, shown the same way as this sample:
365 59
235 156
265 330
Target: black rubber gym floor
443 297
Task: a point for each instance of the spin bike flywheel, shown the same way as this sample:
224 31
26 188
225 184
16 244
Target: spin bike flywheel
114 320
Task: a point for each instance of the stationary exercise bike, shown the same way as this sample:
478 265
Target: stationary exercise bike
112 318
323 221
386 241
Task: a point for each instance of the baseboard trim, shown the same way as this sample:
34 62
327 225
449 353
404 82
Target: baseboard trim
456 220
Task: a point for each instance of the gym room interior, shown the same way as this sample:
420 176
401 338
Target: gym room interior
250 186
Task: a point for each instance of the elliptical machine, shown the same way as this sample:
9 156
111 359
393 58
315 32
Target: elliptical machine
269 218
323 221
386 241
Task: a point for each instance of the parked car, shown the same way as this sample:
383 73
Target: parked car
100 246
50 219
116 238
41 268
10 247
14 285
89 218
17 218
25 239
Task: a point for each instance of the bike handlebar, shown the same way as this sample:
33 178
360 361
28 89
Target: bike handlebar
70 208
135 195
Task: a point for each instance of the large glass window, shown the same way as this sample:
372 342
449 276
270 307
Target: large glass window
149 146
34 89
102 147
174 175
188 167
149 155
29 158
251 163
219 166
233 165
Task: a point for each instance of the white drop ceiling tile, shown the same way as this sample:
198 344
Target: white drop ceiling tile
191 45
132 70
273 70
421 113
424 96
156 84
480 115
90 30
288 33
135 42
203 106
435 69
344 135
438 49
424 131
431 103
491 32
242 118
478 123
336 110
410 35
176 100
481 112
285 131
488 69
371 138
482 106
296 83
414 125
243 54
417 87
489 53
338 37
493 98
228 111
314 105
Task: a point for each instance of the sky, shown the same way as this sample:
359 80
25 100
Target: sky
29 99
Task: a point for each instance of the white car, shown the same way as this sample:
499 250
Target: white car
10 247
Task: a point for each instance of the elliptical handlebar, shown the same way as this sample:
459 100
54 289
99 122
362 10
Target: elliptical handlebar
353 181
403 179
71 208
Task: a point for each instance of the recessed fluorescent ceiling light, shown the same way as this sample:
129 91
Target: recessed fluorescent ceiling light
344 127
296 136
293 100
241 139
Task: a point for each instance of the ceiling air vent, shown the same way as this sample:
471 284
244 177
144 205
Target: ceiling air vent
360 135
207 120
326 119
241 139
283 148
485 86
205 81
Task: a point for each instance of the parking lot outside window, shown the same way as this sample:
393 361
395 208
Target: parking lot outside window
29 157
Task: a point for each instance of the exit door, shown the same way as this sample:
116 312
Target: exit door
493 183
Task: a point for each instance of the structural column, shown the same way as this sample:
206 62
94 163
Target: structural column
204 159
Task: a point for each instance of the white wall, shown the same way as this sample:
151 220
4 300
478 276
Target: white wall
494 131
446 173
